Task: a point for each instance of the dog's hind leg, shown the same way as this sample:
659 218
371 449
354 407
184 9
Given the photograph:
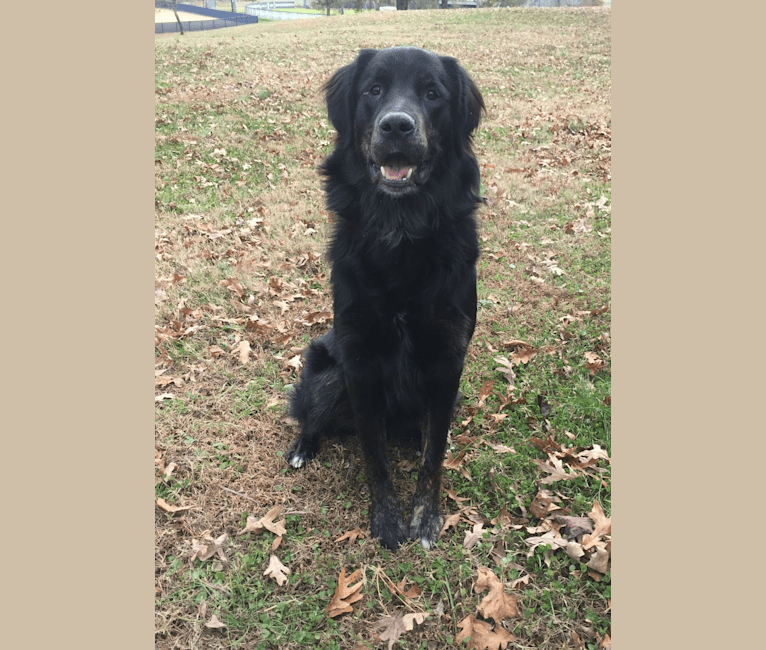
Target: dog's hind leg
319 402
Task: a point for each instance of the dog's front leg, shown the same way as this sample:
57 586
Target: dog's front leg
427 521
386 520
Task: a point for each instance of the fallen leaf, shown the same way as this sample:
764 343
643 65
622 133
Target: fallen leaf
345 593
515 344
481 636
523 356
600 561
594 453
169 470
277 570
244 352
453 495
452 520
603 526
500 449
593 362
555 467
164 505
351 535
207 547
485 391
278 528
214 623
574 550
394 626
473 536
574 526
413 592
497 604
548 538
542 504
266 522
506 367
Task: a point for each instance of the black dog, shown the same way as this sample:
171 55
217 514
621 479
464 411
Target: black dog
403 183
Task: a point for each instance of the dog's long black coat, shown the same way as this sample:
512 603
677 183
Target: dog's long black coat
403 183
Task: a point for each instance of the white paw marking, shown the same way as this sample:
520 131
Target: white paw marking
297 461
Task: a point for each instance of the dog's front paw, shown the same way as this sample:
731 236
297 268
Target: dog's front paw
300 452
387 523
425 526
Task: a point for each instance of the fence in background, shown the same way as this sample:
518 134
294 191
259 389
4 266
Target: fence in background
258 9
222 18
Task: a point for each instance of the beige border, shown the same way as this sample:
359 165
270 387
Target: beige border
688 281
77 324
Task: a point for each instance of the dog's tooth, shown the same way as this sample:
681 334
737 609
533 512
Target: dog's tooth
383 171
409 173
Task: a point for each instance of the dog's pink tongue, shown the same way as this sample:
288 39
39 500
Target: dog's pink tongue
396 174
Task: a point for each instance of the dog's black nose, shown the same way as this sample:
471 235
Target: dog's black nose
396 123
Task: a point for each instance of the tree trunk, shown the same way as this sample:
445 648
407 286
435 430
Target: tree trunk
180 26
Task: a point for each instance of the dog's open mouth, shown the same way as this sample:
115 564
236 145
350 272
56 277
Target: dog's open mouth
396 174
398 177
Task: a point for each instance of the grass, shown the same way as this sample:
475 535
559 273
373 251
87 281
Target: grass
240 233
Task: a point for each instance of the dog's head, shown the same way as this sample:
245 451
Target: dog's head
405 113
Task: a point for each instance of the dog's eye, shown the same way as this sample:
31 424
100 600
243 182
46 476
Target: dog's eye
432 94
375 90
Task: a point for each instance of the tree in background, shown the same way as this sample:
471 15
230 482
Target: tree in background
180 25
401 5
326 4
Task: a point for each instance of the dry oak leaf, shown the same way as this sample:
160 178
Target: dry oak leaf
524 355
345 593
506 368
593 362
574 550
473 536
573 527
351 535
497 604
244 352
266 522
277 570
214 623
603 526
481 636
500 449
208 547
542 504
548 538
453 495
394 626
555 466
484 392
413 592
594 453
453 462
600 561
164 505
452 520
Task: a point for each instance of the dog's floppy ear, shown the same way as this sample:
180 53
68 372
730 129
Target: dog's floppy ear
468 102
340 96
